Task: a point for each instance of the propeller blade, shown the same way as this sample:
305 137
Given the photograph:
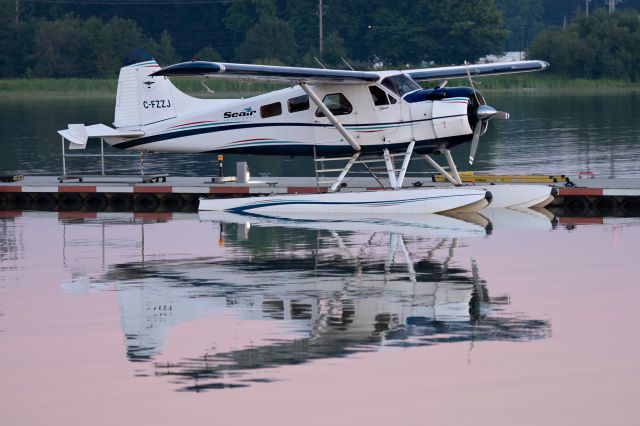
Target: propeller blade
501 115
474 141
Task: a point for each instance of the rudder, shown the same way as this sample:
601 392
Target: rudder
141 99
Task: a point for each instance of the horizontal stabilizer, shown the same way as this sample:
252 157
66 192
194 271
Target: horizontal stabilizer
78 134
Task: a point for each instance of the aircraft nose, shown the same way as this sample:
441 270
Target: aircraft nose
485 112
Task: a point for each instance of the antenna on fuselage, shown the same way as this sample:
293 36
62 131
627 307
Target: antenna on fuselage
348 64
318 61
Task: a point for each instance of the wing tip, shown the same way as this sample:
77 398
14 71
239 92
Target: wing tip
544 65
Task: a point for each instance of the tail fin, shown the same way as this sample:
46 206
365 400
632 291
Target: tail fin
142 99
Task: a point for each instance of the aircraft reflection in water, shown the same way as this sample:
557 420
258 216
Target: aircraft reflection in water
340 288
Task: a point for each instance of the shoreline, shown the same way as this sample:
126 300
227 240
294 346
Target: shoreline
106 88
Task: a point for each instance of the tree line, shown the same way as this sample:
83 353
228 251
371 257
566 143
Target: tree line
89 38
600 46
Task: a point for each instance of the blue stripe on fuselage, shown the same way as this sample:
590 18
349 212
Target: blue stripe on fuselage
421 147
204 130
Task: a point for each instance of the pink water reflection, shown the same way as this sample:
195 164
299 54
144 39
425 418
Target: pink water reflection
63 357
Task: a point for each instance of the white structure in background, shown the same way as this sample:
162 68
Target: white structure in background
507 57
612 5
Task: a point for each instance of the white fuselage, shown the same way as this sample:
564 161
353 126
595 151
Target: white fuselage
287 122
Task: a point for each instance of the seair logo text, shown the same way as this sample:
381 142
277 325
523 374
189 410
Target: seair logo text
247 112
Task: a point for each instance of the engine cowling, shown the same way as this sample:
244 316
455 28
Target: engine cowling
454 110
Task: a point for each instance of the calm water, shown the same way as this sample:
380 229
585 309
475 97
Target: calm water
507 318
561 134
502 318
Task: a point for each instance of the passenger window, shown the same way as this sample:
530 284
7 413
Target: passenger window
271 110
337 104
297 104
379 96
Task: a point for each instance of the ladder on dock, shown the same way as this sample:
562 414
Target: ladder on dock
370 165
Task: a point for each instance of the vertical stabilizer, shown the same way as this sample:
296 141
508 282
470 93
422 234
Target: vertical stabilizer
141 99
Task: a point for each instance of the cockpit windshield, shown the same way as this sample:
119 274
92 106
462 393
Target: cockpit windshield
400 84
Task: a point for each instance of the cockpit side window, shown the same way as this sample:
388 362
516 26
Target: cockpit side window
400 84
337 104
379 96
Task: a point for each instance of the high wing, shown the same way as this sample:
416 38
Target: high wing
497 68
267 73
296 75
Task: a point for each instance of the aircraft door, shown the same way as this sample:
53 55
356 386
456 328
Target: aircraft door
381 120
342 106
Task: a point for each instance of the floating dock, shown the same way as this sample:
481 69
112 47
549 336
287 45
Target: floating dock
578 197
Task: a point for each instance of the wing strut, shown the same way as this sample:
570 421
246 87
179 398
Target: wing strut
327 113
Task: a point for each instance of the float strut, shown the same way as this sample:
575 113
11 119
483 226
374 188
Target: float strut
405 165
452 166
439 168
391 171
344 172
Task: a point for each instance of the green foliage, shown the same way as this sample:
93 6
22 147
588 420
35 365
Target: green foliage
73 47
601 46
57 88
71 39
240 16
442 32
334 49
7 31
523 20
478 33
544 82
100 87
110 42
163 50
62 48
208 54
106 88
270 38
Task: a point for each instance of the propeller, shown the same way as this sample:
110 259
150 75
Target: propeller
484 113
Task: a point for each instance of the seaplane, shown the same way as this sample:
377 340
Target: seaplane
358 117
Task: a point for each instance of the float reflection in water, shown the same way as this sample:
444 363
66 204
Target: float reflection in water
335 288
